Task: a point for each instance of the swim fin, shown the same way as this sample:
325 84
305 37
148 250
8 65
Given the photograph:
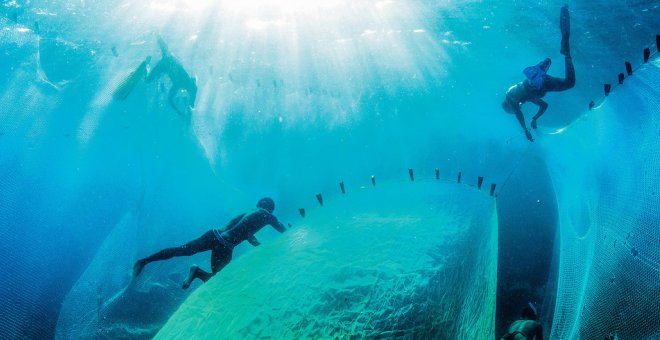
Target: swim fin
536 74
126 87
565 26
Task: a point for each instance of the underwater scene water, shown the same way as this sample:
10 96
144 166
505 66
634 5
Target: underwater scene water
410 204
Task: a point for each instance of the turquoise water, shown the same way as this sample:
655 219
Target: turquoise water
293 98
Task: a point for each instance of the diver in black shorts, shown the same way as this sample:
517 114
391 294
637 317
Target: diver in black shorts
527 328
220 242
538 83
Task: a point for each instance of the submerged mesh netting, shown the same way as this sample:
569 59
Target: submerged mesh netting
606 173
413 260
106 304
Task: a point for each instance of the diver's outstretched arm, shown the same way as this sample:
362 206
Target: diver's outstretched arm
173 92
279 226
521 120
157 70
542 107
162 63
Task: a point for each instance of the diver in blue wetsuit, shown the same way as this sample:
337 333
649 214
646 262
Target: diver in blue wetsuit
220 242
538 82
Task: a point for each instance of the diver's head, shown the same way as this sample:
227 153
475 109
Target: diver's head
266 203
528 313
506 106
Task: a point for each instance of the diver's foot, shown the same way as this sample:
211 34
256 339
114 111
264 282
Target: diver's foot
529 136
190 278
564 20
533 124
138 266
565 26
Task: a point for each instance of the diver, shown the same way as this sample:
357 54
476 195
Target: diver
168 65
527 328
538 82
220 242
181 80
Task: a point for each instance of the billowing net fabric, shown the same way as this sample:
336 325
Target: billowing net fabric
411 260
106 304
606 173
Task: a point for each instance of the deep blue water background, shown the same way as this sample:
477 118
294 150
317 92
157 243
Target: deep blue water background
73 163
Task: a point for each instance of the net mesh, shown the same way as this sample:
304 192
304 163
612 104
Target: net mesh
414 260
606 173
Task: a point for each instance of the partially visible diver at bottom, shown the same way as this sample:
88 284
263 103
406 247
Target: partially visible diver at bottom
538 83
168 65
527 328
220 242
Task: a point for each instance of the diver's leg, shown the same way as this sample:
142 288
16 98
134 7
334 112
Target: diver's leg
570 72
220 257
552 84
196 272
163 64
159 69
205 242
